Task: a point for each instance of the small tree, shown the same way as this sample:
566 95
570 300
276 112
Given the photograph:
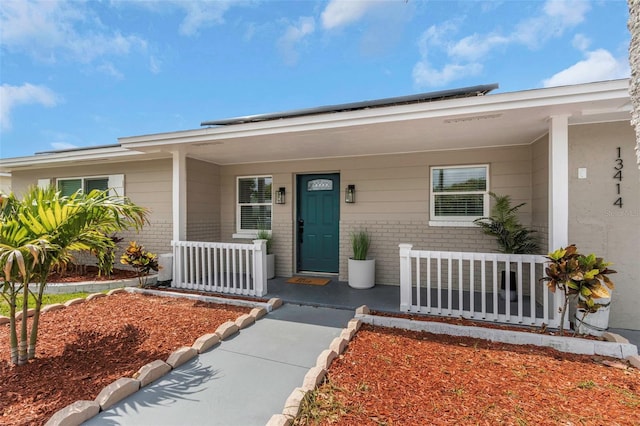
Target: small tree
42 230
578 276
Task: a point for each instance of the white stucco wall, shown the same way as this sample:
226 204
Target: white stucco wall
598 226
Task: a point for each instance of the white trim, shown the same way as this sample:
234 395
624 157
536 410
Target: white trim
457 220
115 183
558 182
556 96
239 231
179 195
467 224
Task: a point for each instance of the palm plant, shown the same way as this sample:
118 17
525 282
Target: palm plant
43 230
504 225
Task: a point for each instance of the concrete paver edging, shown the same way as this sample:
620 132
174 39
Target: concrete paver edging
315 375
81 411
93 286
615 348
74 414
268 306
181 355
151 372
116 391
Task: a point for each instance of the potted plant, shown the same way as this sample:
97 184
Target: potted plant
582 278
511 236
362 270
264 234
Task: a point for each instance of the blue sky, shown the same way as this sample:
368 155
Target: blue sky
78 74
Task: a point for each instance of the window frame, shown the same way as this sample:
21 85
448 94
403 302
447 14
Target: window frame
115 183
458 220
250 233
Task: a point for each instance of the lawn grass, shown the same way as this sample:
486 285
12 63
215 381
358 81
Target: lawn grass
47 299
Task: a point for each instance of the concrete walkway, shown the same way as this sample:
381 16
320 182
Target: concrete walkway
243 381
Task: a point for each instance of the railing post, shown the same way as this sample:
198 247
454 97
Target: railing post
405 277
176 264
260 265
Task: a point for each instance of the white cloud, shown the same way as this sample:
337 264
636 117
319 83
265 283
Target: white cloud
567 12
463 56
557 16
437 37
26 94
294 36
597 66
154 65
581 42
109 69
200 14
46 29
426 75
63 145
476 46
339 13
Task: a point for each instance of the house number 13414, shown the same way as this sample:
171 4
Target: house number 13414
618 176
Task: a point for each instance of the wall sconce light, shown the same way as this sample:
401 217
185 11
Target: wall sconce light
350 194
280 195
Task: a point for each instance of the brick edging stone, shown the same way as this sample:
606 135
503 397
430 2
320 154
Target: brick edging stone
316 374
80 411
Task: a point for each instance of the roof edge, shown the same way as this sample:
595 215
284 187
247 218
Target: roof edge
479 90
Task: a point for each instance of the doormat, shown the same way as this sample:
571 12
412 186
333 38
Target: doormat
310 281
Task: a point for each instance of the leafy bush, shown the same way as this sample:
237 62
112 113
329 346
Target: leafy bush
141 260
578 276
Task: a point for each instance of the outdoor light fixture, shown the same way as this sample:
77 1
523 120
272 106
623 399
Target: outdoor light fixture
280 195
350 194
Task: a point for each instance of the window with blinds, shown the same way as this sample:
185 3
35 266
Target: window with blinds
459 193
254 203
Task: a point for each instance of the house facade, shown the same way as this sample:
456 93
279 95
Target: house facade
411 170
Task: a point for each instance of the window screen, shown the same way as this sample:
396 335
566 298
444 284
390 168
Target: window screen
254 203
458 193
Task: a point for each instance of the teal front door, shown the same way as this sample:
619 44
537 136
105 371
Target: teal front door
318 222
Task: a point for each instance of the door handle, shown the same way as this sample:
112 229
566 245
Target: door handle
300 230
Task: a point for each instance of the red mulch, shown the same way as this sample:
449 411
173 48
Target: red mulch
85 347
397 377
89 273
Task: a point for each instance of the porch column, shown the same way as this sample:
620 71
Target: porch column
179 195
559 193
558 182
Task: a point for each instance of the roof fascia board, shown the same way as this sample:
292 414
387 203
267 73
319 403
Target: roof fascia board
53 159
550 97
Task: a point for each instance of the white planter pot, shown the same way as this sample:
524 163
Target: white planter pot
594 324
513 295
362 273
271 266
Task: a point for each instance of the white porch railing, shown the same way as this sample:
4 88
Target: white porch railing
221 267
462 284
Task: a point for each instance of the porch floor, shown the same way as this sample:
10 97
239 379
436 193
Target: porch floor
335 294
383 298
